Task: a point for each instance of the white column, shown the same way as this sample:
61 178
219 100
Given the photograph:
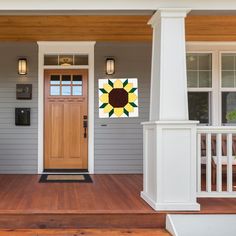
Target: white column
169 137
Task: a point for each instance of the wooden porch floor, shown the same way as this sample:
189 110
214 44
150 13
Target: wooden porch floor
107 194
110 201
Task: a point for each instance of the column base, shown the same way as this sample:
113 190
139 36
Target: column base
170 206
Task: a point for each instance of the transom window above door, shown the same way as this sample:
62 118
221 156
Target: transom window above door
66 85
66 60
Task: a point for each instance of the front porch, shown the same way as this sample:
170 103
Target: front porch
111 201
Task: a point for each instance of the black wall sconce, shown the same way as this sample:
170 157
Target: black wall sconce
110 66
22 66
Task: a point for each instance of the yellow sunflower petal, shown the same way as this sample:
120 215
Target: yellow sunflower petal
118 84
107 87
132 97
107 108
104 98
119 111
128 87
129 108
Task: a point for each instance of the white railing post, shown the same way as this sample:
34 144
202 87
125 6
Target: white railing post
219 166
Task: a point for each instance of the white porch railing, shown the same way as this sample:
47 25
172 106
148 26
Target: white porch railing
216 161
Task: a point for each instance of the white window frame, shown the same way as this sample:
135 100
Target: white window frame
217 49
205 89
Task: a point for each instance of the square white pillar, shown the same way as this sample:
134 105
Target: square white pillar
169 137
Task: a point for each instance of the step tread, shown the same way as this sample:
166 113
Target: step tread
85 232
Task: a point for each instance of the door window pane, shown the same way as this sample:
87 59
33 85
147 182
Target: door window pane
198 103
77 79
66 79
228 107
55 79
199 70
77 90
55 90
66 90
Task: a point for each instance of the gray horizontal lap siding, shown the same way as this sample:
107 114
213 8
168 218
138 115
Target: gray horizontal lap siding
18 145
119 144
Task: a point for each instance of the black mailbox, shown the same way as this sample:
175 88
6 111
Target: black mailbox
22 116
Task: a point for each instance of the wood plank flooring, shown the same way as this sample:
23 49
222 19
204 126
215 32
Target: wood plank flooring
86 232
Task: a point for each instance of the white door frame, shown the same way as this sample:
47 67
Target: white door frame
65 48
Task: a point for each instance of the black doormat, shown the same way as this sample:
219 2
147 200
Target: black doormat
65 178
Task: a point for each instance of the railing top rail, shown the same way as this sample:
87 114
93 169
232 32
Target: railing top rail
216 129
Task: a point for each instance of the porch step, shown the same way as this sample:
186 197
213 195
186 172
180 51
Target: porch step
78 221
89 232
201 225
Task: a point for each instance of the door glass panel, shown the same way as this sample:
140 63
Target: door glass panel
205 79
55 90
66 79
198 103
55 79
77 79
77 90
228 107
66 90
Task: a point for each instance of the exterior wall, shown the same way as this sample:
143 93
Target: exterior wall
119 142
18 145
118 145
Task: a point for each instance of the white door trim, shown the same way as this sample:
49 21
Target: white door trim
70 48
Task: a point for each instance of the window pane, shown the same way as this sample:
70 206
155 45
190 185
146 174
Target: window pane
55 79
191 61
55 90
77 79
66 90
204 61
205 79
192 79
228 107
66 79
227 79
228 62
66 60
199 70
81 59
50 60
198 103
77 90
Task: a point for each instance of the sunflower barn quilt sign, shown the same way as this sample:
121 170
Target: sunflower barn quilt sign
118 98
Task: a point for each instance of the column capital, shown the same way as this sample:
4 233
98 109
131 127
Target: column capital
168 13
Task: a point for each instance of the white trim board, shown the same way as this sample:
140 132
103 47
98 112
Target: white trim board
116 5
70 48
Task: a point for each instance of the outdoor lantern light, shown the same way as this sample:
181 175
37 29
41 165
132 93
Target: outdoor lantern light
22 66
110 66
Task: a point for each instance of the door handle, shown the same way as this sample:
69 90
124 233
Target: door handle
85 124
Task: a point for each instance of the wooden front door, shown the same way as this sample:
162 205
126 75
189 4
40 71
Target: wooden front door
65 119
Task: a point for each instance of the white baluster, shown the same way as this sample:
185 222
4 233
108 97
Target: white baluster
199 163
208 162
229 163
219 166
